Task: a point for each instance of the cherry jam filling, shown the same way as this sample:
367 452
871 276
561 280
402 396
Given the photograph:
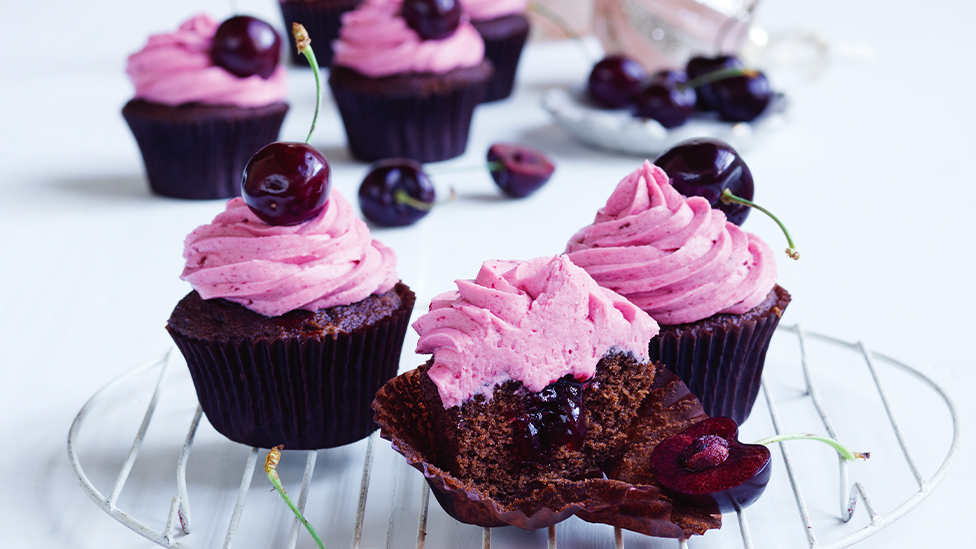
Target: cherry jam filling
550 419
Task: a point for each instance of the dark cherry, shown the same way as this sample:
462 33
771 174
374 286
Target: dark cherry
705 167
665 100
246 46
615 81
700 66
552 418
705 466
378 192
432 19
287 183
519 170
742 98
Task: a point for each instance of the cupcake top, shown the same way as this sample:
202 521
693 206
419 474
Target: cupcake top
176 68
376 41
327 261
481 10
529 321
674 257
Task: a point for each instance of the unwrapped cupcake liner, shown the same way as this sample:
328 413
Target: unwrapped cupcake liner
322 19
629 497
385 118
504 40
302 393
722 362
199 151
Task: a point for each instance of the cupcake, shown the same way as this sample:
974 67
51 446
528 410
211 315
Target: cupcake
321 18
539 403
403 95
290 329
504 28
196 123
710 285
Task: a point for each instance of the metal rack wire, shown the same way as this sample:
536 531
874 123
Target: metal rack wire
178 518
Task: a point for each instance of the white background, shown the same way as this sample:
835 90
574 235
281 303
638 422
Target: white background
873 174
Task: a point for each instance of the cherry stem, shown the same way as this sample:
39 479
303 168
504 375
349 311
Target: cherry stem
729 198
715 76
304 45
844 451
564 26
402 197
271 468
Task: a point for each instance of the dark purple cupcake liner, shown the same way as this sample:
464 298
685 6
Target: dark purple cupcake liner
302 393
504 40
321 19
199 151
423 117
628 498
722 362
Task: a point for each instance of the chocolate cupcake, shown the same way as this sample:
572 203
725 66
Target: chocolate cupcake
504 29
322 19
539 403
290 330
406 95
195 122
710 285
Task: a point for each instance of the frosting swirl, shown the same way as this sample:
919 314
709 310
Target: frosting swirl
674 257
327 261
531 321
481 10
175 69
376 41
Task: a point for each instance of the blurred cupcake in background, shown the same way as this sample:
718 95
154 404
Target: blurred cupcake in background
504 28
321 18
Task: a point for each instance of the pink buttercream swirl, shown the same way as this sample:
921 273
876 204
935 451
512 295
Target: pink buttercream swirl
376 41
674 257
482 10
175 69
327 261
531 321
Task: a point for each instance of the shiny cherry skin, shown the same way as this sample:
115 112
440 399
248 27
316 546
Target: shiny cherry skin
433 19
742 98
287 183
378 192
519 170
615 81
706 167
246 46
700 66
705 466
665 100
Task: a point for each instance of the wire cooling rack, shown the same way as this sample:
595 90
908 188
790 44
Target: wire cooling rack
176 532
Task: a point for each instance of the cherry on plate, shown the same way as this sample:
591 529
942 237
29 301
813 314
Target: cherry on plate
615 81
706 167
432 19
742 98
700 66
396 192
705 466
519 170
665 99
246 46
287 183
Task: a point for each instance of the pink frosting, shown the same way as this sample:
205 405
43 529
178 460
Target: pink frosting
327 261
481 10
175 69
531 321
375 40
674 257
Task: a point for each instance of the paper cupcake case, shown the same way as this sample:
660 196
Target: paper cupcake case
628 498
504 40
721 358
303 394
199 151
425 117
